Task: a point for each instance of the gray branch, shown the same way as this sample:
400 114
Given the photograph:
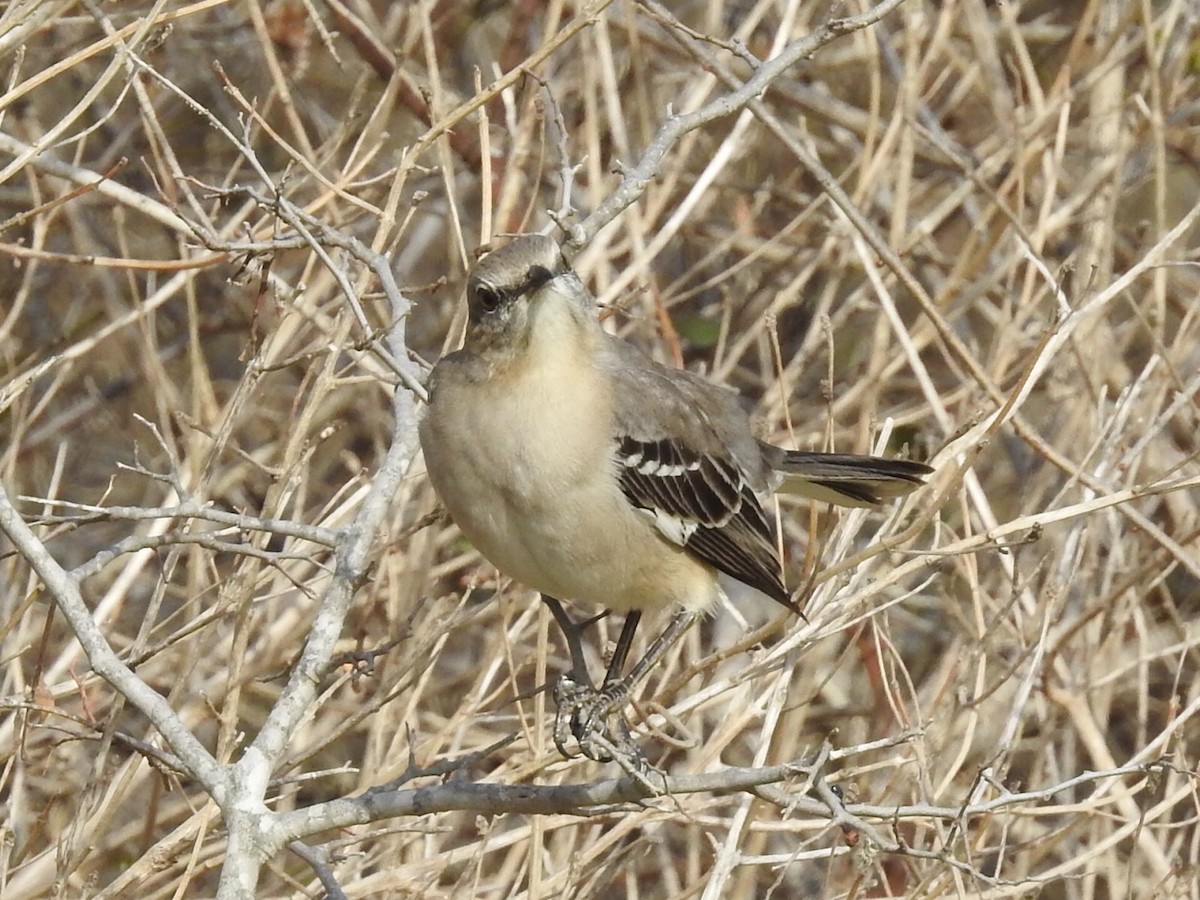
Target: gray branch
582 799
65 591
637 178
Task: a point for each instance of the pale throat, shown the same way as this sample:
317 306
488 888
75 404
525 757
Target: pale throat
555 393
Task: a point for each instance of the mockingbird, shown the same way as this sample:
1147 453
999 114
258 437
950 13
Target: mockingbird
582 468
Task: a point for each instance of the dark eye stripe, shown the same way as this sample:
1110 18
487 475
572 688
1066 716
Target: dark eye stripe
536 277
492 297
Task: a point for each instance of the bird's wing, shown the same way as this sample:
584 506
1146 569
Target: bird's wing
685 458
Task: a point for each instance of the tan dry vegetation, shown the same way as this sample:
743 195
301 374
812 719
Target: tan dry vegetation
1000 674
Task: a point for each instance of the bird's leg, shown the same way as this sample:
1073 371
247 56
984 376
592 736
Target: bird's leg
574 690
572 631
586 713
592 716
621 651
582 708
677 626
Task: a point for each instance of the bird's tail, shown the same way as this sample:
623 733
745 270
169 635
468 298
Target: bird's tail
846 479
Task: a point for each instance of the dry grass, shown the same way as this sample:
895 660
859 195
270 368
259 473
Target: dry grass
1005 665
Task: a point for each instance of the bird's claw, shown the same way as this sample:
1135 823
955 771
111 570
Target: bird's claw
596 719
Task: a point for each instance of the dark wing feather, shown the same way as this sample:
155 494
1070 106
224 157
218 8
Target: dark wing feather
703 503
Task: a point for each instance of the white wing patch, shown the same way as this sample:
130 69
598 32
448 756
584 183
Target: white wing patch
676 530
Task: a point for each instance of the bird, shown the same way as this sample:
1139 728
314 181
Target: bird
584 469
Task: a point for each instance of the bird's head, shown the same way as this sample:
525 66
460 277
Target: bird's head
524 287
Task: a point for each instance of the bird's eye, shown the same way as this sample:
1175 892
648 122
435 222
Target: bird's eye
489 298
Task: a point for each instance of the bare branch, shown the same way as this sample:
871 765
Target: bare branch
635 179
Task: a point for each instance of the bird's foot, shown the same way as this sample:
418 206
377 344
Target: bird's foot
596 718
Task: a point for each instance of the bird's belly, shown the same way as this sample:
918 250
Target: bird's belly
605 558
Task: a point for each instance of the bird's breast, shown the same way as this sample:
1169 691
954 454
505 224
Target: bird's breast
518 448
